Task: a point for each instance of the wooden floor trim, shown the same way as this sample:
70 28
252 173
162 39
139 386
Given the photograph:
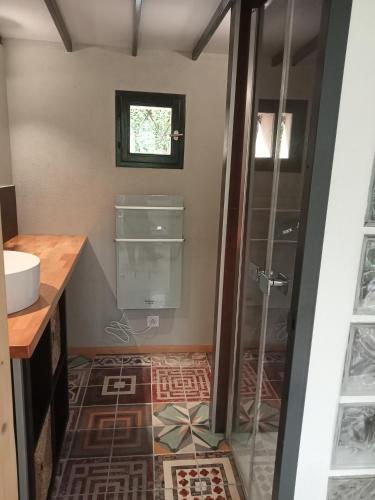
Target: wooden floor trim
141 349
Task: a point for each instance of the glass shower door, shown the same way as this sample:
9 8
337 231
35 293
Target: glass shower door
278 144
262 180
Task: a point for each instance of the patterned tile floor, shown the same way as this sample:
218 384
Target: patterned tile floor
139 429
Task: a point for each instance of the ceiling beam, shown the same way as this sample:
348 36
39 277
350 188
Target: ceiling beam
299 55
137 9
304 51
277 59
212 26
60 24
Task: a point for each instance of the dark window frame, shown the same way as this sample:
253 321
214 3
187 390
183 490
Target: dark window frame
124 99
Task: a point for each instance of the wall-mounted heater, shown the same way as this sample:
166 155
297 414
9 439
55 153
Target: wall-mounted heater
149 241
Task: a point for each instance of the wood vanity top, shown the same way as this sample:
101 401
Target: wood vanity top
58 256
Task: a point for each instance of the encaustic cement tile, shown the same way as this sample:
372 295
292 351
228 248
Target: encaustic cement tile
205 440
91 443
133 495
175 472
199 414
136 360
85 477
166 360
132 442
210 460
106 361
76 394
98 375
97 417
142 374
167 385
78 378
194 359
129 474
179 494
169 413
197 384
138 415
218 479
172 439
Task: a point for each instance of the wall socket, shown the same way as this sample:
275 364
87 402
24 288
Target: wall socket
153 321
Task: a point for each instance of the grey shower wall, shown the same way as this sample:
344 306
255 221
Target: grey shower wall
61 110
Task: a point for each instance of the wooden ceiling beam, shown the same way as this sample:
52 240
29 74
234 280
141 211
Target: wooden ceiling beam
60 24
299 55
277 59
212 26
304 51
137 9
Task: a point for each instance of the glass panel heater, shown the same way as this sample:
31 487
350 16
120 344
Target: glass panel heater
149 245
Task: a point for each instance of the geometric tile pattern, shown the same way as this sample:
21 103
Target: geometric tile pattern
131 474
167 385
170 413
128 416
139 429
174 384
85 477
249 383
196 383
91 443
171 439
97 417
199 414
205 440
132 441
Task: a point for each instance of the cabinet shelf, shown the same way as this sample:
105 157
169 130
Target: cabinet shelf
42 409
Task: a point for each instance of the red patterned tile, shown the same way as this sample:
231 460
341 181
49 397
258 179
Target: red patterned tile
249 383
97 417
197 384
131 474
167 385
85 477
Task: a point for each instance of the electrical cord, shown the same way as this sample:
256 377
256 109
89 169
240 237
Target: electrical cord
123 330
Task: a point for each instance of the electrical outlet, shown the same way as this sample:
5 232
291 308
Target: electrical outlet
153 321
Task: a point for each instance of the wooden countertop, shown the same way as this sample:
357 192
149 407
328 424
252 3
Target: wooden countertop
58 256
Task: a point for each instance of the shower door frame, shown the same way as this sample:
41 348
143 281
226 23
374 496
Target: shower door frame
330 67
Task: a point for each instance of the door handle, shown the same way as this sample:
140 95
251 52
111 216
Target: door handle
176 135
255 271
279 281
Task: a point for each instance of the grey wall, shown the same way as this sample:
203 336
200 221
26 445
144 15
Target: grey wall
5 167
61 110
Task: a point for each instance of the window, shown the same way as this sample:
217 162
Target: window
293 123
150 129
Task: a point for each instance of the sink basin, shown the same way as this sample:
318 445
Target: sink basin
22 279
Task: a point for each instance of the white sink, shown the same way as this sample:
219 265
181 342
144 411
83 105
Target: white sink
22 279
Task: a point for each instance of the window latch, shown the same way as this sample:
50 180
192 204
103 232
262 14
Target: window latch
176 135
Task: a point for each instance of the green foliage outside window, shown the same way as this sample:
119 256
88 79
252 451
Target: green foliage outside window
150 129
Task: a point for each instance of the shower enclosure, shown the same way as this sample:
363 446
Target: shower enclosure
285 62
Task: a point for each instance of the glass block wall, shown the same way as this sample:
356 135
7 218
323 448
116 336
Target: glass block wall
353 457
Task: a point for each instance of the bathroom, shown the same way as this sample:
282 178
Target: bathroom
155 162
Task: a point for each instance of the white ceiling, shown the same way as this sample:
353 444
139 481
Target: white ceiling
165 24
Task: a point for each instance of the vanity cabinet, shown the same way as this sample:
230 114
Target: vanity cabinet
37 346
42 407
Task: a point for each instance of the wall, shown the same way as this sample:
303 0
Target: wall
351 174
61 109
5 166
